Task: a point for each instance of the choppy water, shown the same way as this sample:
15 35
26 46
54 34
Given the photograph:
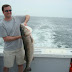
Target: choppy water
51 32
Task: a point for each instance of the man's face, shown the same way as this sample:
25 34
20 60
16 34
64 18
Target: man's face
7 11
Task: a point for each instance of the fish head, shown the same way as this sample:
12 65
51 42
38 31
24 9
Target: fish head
22 29
25 29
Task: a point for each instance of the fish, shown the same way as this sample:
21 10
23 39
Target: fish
28 44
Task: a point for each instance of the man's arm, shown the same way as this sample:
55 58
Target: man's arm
27 17
11 38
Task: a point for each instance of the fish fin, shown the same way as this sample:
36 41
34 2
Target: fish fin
25 58
33 58
32 40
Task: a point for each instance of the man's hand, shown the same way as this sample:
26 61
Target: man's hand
27 17
25 23
11 38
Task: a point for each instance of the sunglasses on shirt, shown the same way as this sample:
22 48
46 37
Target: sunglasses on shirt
8 10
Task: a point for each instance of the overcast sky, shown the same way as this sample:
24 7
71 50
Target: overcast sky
46 8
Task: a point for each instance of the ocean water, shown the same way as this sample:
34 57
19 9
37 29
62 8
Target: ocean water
50 32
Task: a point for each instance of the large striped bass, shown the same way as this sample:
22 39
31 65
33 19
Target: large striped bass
28 45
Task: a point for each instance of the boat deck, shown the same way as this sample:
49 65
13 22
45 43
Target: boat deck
46 60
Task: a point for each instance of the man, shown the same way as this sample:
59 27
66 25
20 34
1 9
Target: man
10 32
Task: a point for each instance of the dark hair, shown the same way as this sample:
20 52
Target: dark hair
5 5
